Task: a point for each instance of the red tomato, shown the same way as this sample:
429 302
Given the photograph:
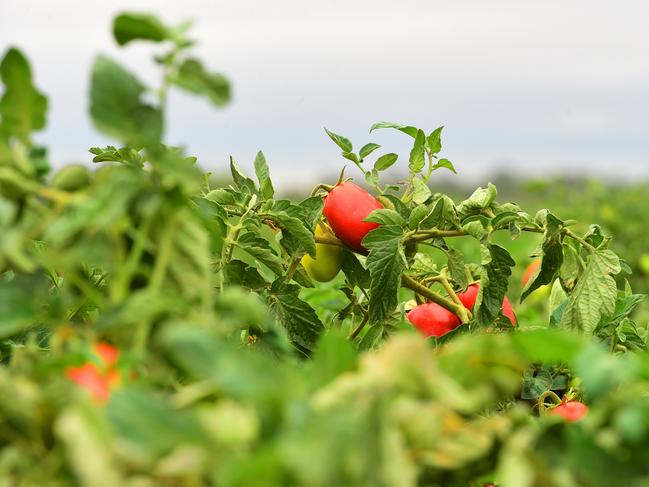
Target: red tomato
571 411
107 352
529 271
431 319
469 297
345 207
92 379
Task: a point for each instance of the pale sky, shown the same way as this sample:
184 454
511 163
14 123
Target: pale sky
538 86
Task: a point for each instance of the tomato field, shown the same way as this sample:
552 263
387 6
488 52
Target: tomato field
160 328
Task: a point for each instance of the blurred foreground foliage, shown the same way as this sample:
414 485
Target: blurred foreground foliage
158 331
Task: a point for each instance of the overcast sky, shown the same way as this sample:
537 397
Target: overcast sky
539 86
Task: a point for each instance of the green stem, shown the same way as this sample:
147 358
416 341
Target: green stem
458 309
576 237
360 327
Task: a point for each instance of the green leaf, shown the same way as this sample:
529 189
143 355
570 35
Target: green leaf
130 26
296 316
241 181
421 192
367 149
356 274
496 268
385 161
385 216
417 216
193 77
595 292
434 143
535 384
386 261
446 164
406 129
418 154
480 199
552 258
238 273
342 142
22 106
456 268
296 228
260 249
116 106
19 300
263 176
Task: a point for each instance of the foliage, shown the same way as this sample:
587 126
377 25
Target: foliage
229 365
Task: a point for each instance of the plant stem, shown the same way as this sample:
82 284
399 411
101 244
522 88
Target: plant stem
360 327
458 309
576 237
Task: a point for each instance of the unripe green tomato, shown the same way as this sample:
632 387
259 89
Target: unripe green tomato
72 178
327 262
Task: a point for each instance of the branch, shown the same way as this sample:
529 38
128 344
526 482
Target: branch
458 309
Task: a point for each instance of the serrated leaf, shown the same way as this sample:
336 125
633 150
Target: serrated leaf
552 258
406 129
263 176
385 262
343 142
385 216
193 77
595 292
419 213
296 316
130 26
356 274
385 161
456 268
367 149
434 143
260 249
480 199
418 154
117 108
238 273
296 228
421 192
496 268
22 106
241 181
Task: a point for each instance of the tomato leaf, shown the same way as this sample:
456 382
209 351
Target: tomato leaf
343 142
296 316
386 261
132 26
193 77
418 154
406 129
595 292
22 106
496 268
263 176
385 161
552 258
117 107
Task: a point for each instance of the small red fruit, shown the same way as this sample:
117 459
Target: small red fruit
345 207
529 271
95 379
571 411
431 319
470 296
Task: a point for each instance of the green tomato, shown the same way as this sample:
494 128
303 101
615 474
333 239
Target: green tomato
327 262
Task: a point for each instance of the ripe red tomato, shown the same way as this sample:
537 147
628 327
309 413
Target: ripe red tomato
571 411
345 207
431 319
529 271
470 296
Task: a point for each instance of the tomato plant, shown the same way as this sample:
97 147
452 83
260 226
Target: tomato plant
158 328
